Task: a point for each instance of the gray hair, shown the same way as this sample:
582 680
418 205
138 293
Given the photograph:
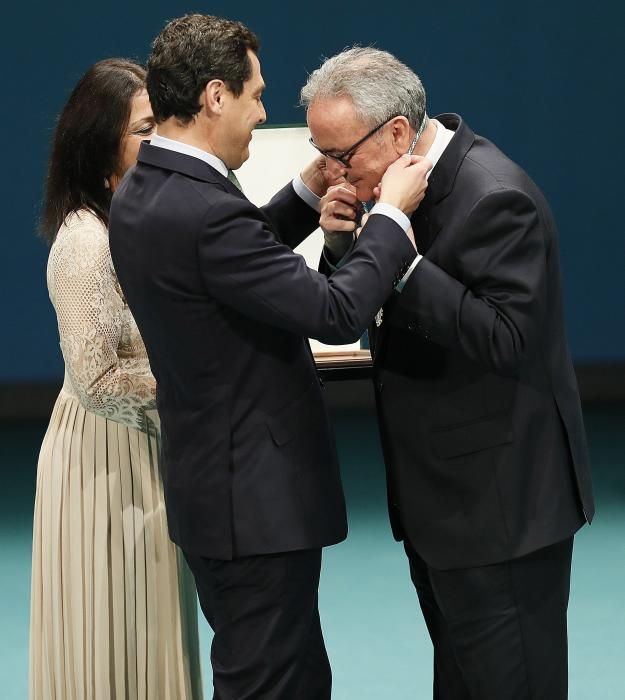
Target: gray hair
378 84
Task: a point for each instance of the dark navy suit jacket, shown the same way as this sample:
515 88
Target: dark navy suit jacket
225 309
477 398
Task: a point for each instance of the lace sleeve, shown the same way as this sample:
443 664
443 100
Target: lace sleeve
90 311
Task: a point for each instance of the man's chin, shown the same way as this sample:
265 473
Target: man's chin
243 156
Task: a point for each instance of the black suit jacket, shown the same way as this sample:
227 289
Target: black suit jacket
225 309
477 399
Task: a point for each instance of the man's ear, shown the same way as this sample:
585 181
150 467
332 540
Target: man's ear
213 96
400 132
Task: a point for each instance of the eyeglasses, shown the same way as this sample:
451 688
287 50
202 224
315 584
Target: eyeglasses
345 156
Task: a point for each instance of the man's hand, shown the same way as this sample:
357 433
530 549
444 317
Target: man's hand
317 178
339 208
404 183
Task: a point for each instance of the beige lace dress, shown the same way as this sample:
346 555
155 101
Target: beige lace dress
113 607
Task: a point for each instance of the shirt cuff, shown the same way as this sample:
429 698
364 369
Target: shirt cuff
402 282
307 195
392 212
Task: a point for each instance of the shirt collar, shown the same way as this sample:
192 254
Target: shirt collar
186 149
440 143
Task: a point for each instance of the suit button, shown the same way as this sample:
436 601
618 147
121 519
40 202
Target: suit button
379 385
411 326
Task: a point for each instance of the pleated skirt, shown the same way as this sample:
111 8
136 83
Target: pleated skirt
113 605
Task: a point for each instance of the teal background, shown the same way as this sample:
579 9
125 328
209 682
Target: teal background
542 80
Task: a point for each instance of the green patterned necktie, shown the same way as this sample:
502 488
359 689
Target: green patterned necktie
233 179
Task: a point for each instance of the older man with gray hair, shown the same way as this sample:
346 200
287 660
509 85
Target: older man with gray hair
478 406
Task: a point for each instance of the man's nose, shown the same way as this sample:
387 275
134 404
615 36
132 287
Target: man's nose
262 115
335 170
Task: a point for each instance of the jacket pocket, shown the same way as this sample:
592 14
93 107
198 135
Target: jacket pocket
471 437
307 412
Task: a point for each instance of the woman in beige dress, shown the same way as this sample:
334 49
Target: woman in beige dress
113 609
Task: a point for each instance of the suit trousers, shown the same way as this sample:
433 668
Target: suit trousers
268 643
500 631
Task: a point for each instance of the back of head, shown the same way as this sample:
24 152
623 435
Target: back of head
379 85
189 53
86 143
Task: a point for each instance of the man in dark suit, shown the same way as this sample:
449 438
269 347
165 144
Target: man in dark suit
225 307
477 401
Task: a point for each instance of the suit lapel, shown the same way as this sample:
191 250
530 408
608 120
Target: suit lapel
186 165
422 227
425 221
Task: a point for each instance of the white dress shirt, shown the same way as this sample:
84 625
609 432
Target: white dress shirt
180 147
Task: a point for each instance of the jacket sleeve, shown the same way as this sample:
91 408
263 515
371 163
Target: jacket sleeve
291 219
493 309
245 267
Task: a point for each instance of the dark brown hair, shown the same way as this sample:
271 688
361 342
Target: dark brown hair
189 53
86 143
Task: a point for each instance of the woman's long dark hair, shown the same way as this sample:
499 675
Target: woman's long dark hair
86 144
